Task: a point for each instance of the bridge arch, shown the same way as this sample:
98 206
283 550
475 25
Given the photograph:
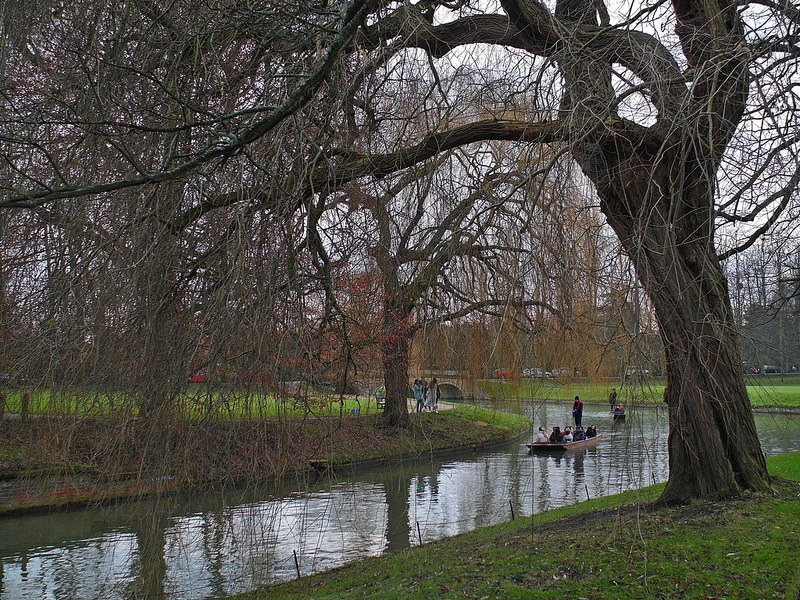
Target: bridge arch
451 391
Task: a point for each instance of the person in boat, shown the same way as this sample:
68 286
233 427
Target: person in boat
556 436
577 411
579 434
541 436
612 398
591 431
568 437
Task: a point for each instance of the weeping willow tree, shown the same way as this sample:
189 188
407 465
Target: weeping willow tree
188 127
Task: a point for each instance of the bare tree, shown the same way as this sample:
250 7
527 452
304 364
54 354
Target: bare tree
765 295
445 247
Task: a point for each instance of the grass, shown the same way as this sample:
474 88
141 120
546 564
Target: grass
768 393
786 466
196 402
783 396
463 426
620 547
510 422
201 402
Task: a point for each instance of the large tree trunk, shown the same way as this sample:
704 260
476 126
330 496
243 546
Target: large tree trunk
713 444
395 345
714 450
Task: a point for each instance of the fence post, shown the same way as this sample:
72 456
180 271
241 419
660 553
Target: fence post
24 406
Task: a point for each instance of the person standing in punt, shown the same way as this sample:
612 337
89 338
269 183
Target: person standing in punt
577 411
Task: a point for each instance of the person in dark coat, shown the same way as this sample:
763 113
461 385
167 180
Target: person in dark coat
577 411
612 398
556 435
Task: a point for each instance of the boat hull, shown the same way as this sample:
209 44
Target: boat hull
563 446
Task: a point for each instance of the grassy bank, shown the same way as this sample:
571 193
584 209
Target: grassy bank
124 457
764 392
200 402
617 547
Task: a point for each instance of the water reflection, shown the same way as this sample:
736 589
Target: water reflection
213 544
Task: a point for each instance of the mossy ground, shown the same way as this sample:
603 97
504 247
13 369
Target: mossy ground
618 547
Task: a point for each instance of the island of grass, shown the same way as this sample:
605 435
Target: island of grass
616 547
56 459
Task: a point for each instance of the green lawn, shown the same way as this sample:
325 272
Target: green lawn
784 396
497 418
197 399
195 402
763 393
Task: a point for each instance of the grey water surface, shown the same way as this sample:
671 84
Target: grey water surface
210 544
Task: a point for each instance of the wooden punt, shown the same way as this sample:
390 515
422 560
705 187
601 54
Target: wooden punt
562 446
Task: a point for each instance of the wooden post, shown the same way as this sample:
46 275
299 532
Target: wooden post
24 406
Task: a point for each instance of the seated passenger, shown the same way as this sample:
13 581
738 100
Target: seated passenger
591 431
541 436
556 435
568 437
579 434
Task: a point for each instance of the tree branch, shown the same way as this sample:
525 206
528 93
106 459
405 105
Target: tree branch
329 177
352 19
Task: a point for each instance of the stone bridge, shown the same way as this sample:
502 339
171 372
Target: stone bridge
453 387
451 391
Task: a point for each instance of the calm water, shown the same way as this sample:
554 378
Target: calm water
216 544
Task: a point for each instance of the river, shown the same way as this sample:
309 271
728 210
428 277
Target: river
210 544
